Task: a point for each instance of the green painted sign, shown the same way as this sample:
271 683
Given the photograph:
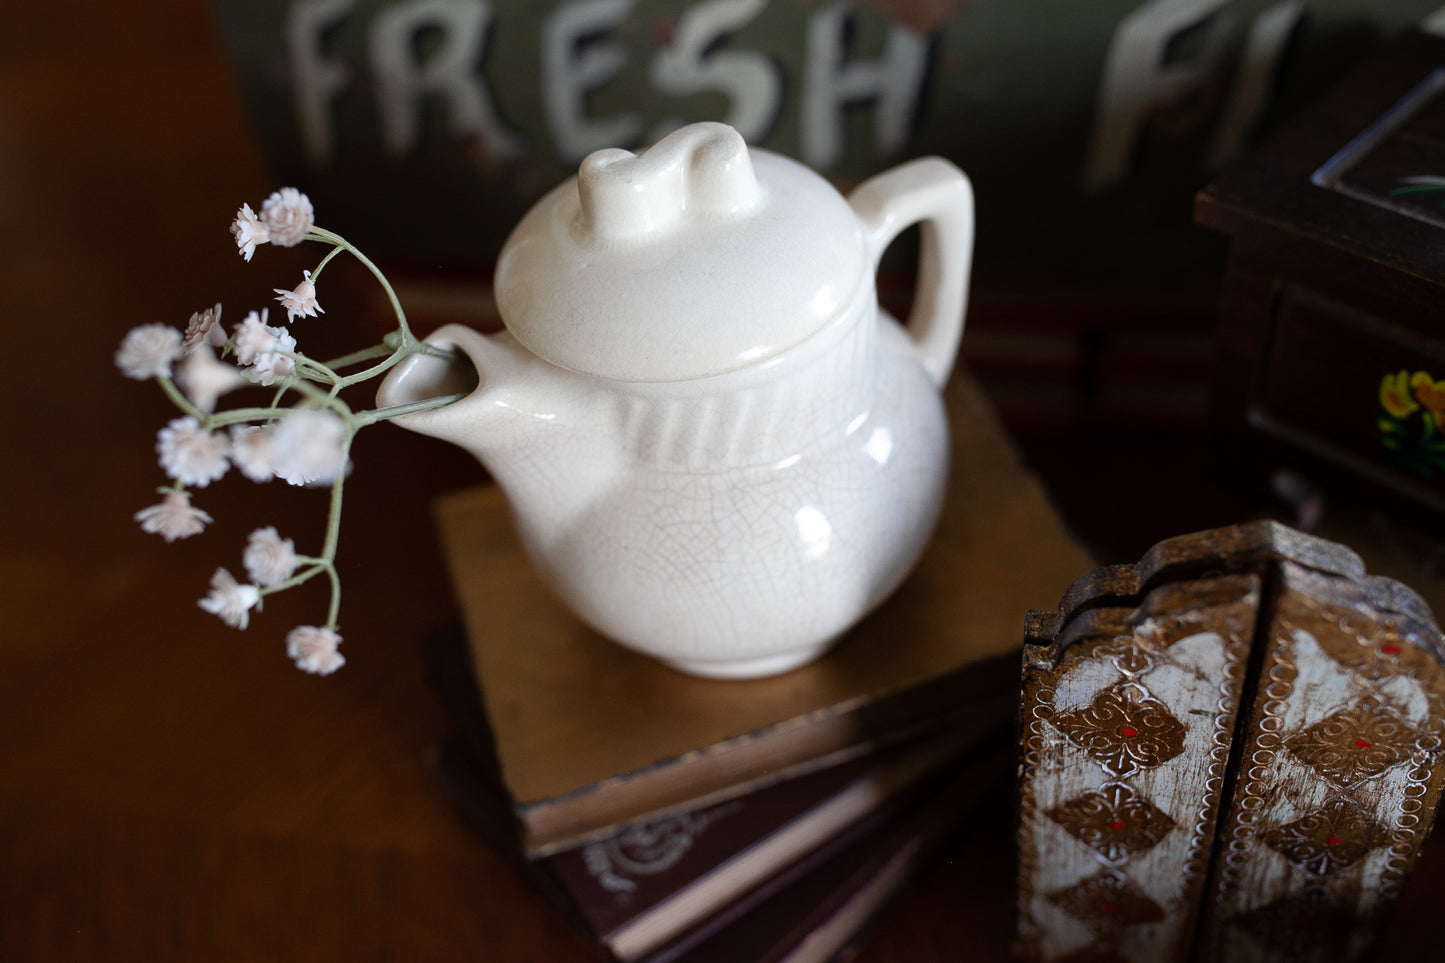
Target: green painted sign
429 126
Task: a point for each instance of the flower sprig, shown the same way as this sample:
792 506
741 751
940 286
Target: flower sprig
303 435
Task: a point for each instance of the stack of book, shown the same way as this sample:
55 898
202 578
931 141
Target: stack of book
672 818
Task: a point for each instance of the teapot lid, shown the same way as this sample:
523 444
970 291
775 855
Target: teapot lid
693 259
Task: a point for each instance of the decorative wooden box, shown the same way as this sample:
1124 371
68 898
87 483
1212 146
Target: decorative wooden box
1332 333
1231 751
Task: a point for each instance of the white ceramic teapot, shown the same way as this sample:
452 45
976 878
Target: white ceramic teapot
717 449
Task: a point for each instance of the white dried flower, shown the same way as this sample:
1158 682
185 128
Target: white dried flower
301 301
308 447
313 649
254 336
287 215
204 379
190 454
205 328
230 600
251 451
271 367
248 231
173 518
270 559
147 351
265 348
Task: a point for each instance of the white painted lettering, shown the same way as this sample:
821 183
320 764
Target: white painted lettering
1138 78
1434 23
573 65
692 64
315 78
452 70
1252 82
832 83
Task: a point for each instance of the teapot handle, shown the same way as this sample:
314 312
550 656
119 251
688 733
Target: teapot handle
936 193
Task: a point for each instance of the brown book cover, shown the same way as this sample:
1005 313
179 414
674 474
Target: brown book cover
821 908
807 908
590 736
647 884
653 881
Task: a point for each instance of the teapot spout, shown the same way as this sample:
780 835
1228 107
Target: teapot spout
538 429
422 378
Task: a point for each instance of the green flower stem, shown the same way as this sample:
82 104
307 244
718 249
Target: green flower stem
356 357
321 234
237 416
304 386
274 412
373 371
408 348
314 370
316 394
335 610
180 400
333 534
375 415
333 517
325 261
298 383
432 351
315 567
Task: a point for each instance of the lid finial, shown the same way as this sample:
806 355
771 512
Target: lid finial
701 171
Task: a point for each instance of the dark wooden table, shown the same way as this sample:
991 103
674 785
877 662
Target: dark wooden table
171 789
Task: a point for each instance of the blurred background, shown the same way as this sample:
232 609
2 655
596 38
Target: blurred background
423 130
171 789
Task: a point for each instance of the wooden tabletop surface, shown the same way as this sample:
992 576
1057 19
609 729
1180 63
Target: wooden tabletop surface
171 789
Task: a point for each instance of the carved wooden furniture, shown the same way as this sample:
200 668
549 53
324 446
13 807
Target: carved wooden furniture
1231 751
1331 360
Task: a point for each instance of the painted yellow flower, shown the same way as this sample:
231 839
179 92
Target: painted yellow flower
1431 393
1395 394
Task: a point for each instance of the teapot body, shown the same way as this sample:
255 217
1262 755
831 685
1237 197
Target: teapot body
757 515
718 450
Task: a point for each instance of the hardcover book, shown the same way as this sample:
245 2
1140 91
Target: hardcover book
791 872
822 908
591 737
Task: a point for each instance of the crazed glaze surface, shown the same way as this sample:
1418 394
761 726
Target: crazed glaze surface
727 502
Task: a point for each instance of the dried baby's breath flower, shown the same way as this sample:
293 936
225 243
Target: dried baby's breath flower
271 366
301 301
266 348
249 231
308 447
190 454
147 351
175 517
205 328
302 434
287 215
230 600
254 336
251 451
269 559
314 649
204 379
